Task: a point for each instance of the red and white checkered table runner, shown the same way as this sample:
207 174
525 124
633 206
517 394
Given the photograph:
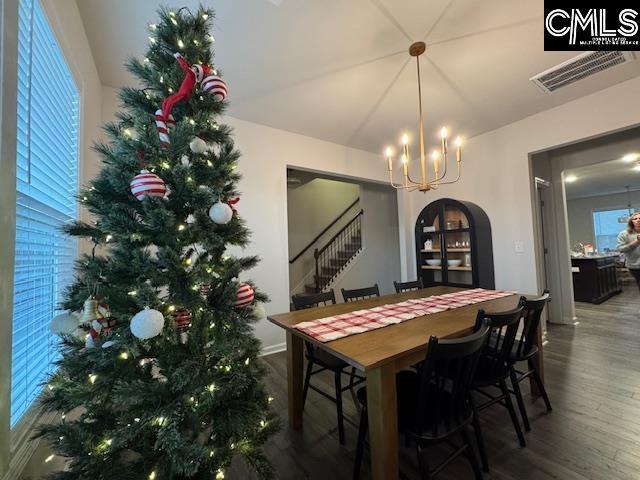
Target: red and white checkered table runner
359 321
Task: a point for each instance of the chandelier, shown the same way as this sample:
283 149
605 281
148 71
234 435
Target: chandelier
439 157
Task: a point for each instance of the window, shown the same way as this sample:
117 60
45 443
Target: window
607 225
46 184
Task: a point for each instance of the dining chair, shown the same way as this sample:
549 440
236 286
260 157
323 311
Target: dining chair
408 286
325 361
360 293
434 405
525 350
493 370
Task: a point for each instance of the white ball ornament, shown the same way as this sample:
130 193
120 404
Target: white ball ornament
259 311
65 323
197 145
147 323
221 213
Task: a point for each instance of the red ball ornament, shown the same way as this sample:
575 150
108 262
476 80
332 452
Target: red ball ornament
205 288
214 85
147 184
182 318
244 296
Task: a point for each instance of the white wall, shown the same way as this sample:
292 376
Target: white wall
580 213
495 173
266 154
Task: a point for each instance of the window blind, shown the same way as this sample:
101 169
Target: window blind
46 185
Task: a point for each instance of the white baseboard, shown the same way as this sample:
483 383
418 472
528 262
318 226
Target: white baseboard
278 347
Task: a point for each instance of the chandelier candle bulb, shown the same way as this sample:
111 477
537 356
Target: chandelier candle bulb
443 136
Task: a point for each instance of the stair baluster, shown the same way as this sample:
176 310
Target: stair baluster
336 254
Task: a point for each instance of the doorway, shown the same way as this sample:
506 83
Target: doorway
343 233
578 192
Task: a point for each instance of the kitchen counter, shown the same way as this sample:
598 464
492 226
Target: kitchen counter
595 279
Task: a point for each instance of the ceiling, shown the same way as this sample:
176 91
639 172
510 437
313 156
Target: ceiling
606 178
339 70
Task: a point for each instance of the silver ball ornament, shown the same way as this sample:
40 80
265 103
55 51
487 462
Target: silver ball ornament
65 323
197 145
147 323
220 213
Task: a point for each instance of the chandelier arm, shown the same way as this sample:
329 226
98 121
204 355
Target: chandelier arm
451 181
444 173
397 186
411 181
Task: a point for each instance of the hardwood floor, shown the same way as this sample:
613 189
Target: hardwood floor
593 379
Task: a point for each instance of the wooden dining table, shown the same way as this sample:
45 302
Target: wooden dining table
380 354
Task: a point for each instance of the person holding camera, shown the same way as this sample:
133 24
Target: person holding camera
629 244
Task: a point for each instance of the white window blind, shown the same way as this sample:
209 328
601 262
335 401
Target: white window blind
46 184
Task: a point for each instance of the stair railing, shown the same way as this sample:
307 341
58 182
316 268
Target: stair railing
338 252
325 230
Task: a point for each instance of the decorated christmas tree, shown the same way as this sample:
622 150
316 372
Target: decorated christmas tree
159 376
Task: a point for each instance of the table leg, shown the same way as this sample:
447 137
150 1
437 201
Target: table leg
294 380
539 363
383 422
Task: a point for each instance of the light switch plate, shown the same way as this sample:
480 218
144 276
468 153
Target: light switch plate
518 246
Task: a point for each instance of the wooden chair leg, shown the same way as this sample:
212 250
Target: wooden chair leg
518 393
512 412
480 440
540 384
362 436
471 454
423 463
307 379
338 383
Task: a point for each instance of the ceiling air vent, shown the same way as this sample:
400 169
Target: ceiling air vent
582 66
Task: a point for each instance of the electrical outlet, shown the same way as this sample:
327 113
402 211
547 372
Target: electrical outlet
518 246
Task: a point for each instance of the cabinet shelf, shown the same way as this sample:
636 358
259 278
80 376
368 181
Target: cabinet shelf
451 230
439 267
448 250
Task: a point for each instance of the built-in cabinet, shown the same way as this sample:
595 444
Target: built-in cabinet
453 245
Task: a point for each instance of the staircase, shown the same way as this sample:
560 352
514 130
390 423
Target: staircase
337 254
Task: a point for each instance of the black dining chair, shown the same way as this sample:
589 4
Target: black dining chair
325 361
434 405
360 293
525 350
493 369
408 286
